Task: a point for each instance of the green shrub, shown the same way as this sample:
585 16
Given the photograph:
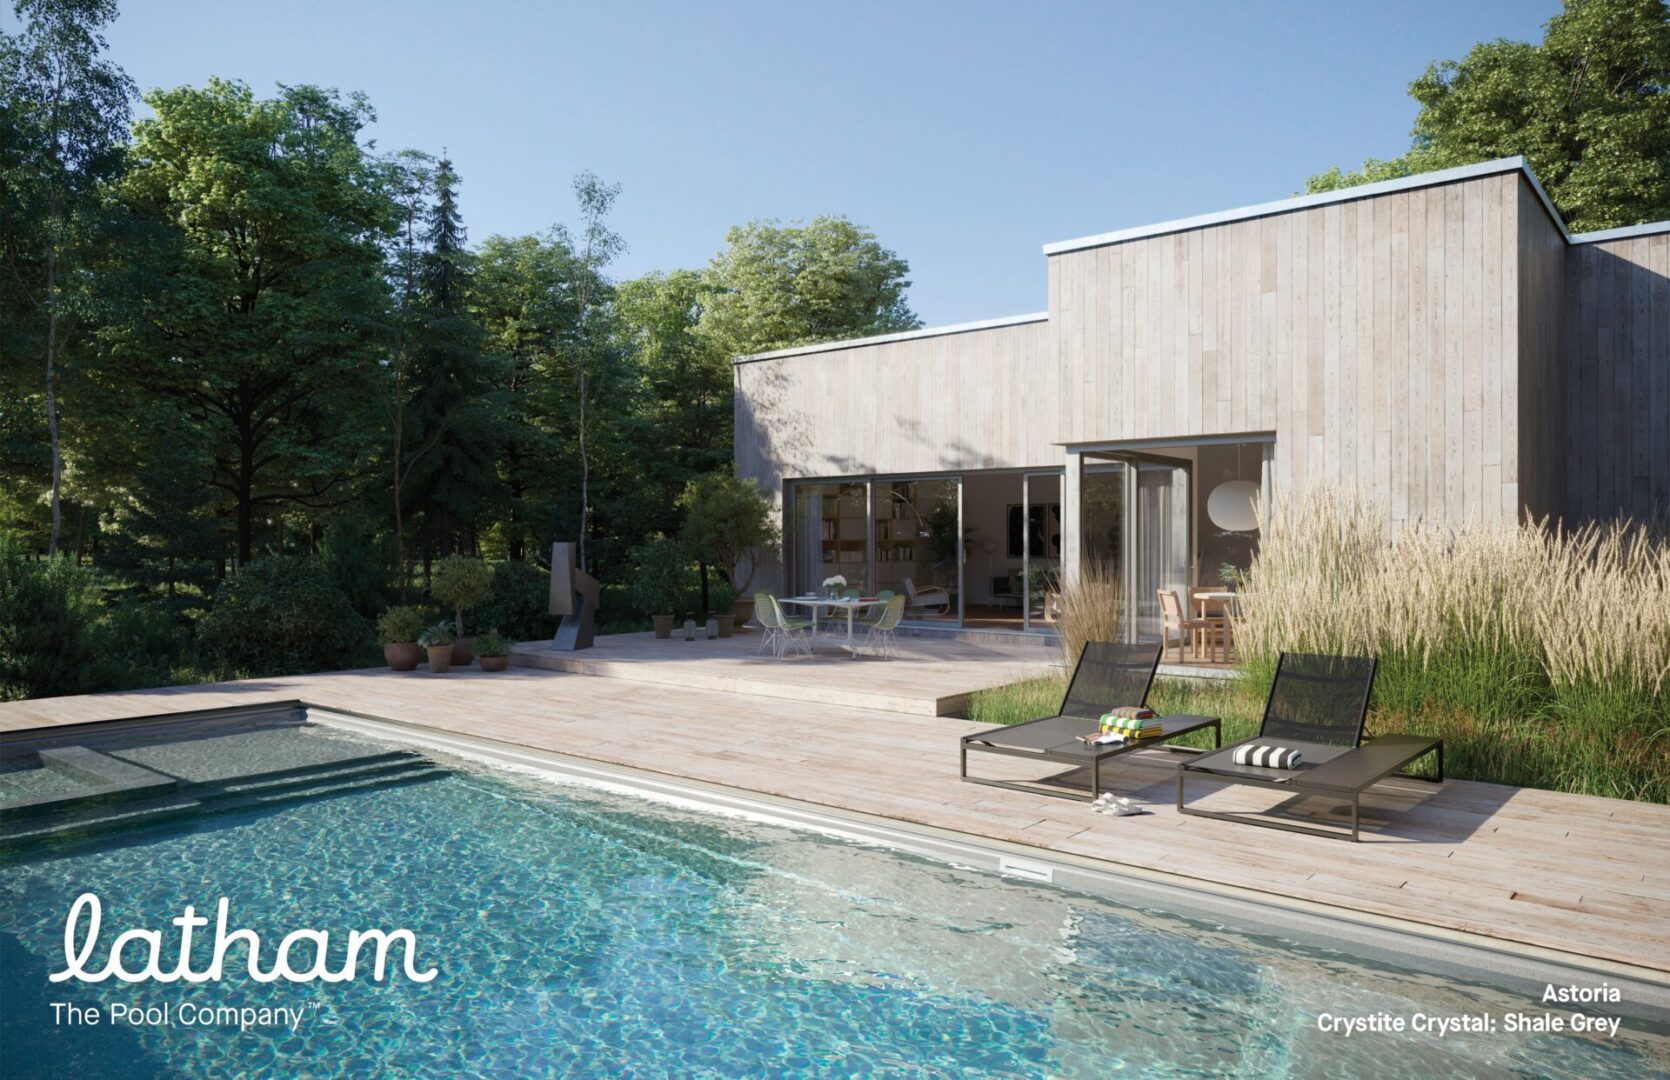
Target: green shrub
439 634
143 643
518 601
281 616
661 576
362 564
460 582
401 625
492 643
47 611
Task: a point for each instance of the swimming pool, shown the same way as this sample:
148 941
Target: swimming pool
582 932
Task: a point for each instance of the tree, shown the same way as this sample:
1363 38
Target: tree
523 301
596 247
727 524
1589 108
267 309
776 286
63 123
452 409
408 177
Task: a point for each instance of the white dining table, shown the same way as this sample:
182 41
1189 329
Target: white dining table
851 605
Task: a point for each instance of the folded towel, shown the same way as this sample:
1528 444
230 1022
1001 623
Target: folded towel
1129 712
1266 756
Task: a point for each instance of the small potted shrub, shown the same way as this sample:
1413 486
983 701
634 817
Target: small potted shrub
461 582
659 571
492 651
400 628
437 641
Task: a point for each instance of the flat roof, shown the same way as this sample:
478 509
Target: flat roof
904 335
1281 206
1325 198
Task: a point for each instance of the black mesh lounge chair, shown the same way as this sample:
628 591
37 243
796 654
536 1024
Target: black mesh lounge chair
1108 676
1317 706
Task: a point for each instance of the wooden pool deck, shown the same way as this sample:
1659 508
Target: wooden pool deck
1576 875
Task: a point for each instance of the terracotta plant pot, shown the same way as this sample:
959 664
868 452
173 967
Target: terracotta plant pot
440 659
724 625
463 651
494 663
741 612
402 655
663 625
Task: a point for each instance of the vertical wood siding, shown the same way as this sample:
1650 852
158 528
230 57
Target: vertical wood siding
1614 389
1379 339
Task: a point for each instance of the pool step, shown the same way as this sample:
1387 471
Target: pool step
81 818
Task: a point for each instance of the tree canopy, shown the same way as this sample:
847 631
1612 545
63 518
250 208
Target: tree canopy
776 286
1588 108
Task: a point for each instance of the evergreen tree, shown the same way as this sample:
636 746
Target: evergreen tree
455 480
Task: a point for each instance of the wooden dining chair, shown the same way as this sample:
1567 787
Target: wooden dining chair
1214 610
1174 618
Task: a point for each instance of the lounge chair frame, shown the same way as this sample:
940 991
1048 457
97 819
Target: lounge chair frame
1055 738
1330 769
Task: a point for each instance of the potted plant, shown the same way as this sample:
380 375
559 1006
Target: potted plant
659 571
437 641
492 649
729 524
461 582
400 628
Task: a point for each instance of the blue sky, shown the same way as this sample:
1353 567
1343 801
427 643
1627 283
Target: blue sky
966 135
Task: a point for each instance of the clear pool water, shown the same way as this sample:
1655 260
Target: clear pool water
580 933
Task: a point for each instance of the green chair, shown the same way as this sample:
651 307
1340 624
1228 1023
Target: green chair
765 610
881 630
792 633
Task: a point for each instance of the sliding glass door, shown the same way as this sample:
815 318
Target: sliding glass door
1136 531
920 548
830 536
905 536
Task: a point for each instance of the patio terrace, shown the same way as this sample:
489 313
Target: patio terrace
1582 877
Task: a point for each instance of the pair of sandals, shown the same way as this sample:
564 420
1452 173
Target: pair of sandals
1116 807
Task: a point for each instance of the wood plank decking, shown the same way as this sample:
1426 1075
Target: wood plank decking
928 677
1574 874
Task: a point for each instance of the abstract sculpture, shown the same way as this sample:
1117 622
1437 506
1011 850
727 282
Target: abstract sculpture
573 596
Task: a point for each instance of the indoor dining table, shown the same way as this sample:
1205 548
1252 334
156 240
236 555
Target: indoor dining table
852 605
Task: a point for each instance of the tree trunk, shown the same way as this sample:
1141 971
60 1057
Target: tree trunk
51 371
245 509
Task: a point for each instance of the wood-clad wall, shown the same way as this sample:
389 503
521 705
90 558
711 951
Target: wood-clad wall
1615 386
985 399
1444 350
1377 338
1542 272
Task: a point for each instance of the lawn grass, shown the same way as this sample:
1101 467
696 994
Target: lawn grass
1552 745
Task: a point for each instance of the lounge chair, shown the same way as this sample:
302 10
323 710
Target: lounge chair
931 600
1107 677
1317 706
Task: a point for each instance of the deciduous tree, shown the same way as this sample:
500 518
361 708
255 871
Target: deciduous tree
1588 107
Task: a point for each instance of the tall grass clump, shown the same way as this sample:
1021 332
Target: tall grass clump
1090 611
1542 656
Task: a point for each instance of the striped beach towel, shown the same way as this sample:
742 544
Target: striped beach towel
1266 756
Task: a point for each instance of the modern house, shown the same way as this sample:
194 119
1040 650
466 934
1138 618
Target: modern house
1440 343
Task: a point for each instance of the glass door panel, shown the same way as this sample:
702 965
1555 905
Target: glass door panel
1102 521
830 536
1040 547
1161 545
920 548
